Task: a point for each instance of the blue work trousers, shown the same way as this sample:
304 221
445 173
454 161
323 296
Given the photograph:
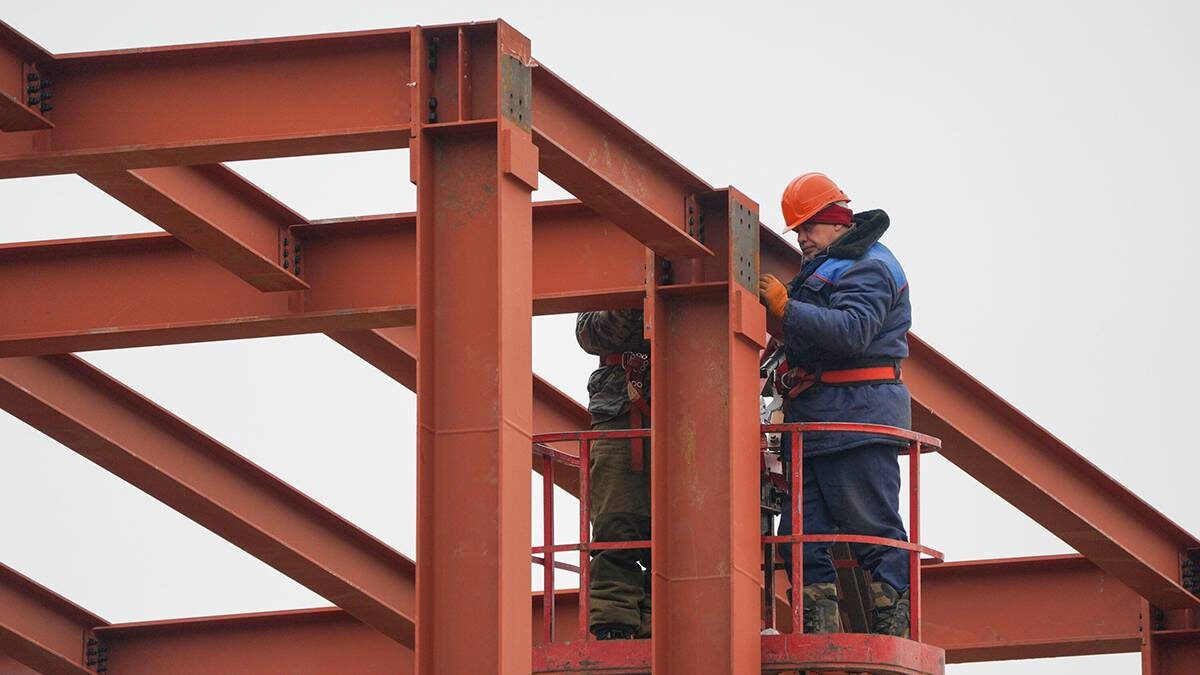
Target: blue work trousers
855 491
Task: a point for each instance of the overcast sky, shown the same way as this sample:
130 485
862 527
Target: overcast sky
1036 159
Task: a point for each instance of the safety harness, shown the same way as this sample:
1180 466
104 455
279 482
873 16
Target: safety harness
792 382
637 368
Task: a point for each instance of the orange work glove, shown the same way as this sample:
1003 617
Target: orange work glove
773 294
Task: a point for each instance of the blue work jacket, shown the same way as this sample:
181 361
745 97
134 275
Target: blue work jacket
848 306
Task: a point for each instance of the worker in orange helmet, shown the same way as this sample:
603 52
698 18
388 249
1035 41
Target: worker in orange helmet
843 321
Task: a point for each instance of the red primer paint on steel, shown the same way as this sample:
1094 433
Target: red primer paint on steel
473 382
40 629
207 103
216 212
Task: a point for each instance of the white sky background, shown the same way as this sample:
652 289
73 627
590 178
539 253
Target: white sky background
1037 160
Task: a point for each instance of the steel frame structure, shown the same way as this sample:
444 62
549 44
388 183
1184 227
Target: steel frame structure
482 119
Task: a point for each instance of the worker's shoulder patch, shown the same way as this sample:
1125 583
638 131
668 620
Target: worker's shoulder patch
831 271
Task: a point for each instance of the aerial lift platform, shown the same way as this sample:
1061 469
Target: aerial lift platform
482 119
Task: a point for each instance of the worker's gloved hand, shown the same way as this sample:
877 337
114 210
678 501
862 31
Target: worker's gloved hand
773 294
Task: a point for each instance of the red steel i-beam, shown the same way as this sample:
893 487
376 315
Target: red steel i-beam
475 167
41 629
196 104
20 82
706 333
976 610
614 170
218 213
1044 478
360 272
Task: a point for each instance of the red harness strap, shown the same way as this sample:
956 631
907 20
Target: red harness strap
795 381
635 365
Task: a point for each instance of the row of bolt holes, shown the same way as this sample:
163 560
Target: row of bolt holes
286 253
38 92
520 104
97 655
742 221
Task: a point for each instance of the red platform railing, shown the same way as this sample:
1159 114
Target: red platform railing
918 444
551 456
781 648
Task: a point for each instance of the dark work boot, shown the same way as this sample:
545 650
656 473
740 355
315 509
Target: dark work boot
821 613
891 610
614 631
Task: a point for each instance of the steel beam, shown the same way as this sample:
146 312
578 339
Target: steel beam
1047 480
20 82
326 93
981 610
359 271
113 426
138 290
204 103
474 323
705 339
615 171
41 629
300 642
217 213
1023 608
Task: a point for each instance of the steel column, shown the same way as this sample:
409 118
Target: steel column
41 629
475 297
111 425
706 335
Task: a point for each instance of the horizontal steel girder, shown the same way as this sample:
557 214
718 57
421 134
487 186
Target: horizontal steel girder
976 611
78 295
41 629
317 94
216 102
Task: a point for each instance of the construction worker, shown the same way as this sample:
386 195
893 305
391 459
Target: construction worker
618 397
844 322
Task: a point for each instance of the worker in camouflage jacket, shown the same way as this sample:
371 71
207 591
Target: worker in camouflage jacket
618 392
844 321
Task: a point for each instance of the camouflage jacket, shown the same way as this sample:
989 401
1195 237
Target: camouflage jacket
606 332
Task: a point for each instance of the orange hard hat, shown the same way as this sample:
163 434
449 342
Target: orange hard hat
807 194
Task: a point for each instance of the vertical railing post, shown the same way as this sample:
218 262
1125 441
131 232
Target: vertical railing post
585 538
704 469
914 536
796 504
474 394
548 545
